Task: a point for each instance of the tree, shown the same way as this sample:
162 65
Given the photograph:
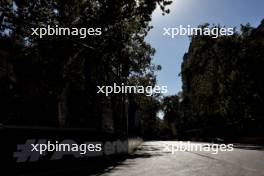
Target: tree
222 86
53 80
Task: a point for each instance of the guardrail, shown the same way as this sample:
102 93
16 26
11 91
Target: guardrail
16 149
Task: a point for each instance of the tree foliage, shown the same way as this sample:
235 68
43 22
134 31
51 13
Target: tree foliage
223 82
52 80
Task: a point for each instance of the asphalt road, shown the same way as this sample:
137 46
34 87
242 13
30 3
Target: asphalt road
154 159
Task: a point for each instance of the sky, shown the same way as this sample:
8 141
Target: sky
169 52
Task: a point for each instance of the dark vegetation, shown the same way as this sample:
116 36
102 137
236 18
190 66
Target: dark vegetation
53 81
223 87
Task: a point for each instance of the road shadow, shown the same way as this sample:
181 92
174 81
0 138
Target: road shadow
249 147
143 152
